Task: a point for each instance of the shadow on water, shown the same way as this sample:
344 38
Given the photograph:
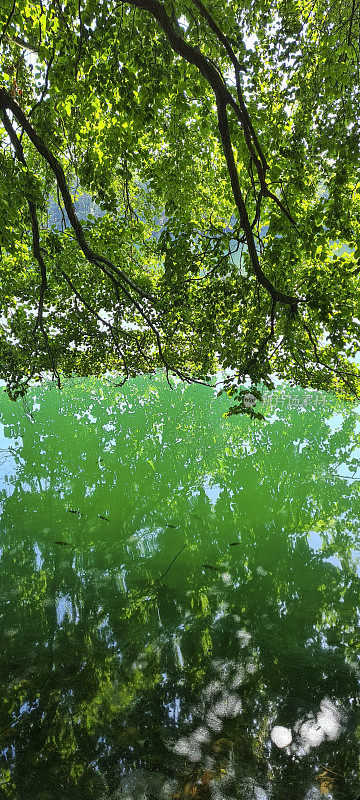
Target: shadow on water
236 673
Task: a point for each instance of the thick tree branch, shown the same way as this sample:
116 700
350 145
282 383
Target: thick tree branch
277 296
125 283
223 99
245 120
219 33
351 21
34 220
7 102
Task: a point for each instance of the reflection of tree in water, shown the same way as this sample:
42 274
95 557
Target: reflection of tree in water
240 681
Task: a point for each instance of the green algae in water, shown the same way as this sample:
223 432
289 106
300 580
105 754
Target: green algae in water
124 678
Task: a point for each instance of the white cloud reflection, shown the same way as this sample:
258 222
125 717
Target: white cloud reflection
325 724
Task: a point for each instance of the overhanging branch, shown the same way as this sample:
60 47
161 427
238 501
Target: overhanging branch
124 283
223 98
15 141
7 102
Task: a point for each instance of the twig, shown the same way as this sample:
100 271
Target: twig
43 93
7 23
331 770
170 565
347 477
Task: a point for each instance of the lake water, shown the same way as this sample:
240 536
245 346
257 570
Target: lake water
179 596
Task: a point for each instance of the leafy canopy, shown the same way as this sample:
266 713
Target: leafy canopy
221 143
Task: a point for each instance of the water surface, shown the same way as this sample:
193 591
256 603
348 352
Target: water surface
179 596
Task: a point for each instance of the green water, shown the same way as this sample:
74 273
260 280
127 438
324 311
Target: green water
236 673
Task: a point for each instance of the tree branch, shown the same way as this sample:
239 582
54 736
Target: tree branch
6 101
21 43
245 120
220 35
7 23
43 93
277 296
223 99
34 220
339 372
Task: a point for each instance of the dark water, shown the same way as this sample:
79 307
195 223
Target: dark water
236 673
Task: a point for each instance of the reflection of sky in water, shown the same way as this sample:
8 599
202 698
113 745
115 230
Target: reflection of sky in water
174 709
145 541
39 559
351 470
310 732
333 560
8 466
65 608
356 559
335 422
315 540
212 490
316 543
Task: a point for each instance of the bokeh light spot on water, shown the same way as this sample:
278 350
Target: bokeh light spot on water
281 736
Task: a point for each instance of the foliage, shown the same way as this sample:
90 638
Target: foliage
221 144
